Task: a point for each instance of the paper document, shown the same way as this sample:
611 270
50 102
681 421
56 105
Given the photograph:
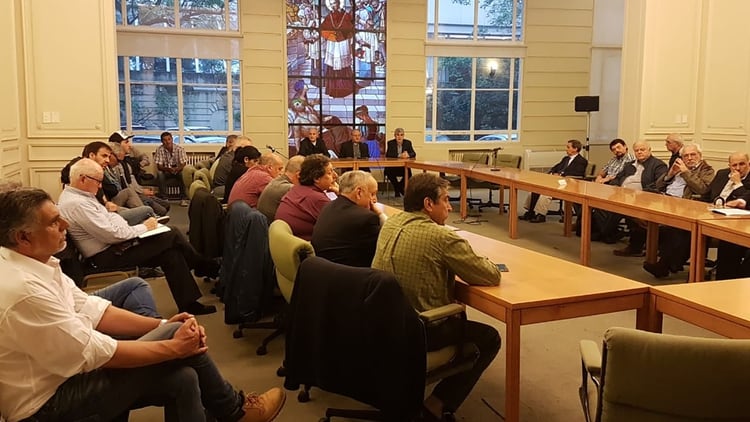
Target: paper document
161 228
730 211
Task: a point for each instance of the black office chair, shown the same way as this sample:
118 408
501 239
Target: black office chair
87 276
501 160
352 332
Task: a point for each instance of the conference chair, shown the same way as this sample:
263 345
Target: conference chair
502 161
352 332
86 276
473 158
188 173
649 377
195 186
204 175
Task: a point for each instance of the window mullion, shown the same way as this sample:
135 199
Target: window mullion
514 29
511 91
473 97
230 97
180 100
128 98
475 36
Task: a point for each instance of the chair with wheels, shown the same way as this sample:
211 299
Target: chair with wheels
501 160
352 332
648 377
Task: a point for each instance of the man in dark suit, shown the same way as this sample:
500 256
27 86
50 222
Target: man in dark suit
572 165
312 145
398 148
731 188
347 229
355 148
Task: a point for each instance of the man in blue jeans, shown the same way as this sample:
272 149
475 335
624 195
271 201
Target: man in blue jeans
132 294
59 358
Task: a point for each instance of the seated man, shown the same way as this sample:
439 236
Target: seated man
137 159
108 242
244 158
425 258
347 229
731 188
101 152
225 165
301 206
642 175
60 361
250 185
271 196
119 175
690 178
355 148
228 146
170 159
621 156
312 145
398 148
572 165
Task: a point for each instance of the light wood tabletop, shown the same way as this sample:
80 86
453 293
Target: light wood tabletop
718 306
731 229
539 288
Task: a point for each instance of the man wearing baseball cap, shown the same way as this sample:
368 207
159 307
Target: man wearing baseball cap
138 161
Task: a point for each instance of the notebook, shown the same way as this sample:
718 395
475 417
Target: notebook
160 228
730 211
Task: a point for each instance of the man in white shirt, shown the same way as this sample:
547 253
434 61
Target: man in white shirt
57 359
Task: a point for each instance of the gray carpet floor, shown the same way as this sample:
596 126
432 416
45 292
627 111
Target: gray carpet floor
550 363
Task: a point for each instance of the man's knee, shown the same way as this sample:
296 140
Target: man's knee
485 337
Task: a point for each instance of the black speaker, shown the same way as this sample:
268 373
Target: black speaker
587 103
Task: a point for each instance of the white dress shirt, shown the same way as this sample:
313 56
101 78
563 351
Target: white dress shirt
47 333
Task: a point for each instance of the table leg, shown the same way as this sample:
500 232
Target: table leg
652 242
513 213
501 198
464 202
585 221
697 255
512 365
567 219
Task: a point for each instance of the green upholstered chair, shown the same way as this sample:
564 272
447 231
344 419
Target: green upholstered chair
649 377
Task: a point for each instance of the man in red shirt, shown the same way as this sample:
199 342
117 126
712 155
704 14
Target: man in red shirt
251 184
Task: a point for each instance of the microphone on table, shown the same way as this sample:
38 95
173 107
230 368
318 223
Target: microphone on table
494 159
275 151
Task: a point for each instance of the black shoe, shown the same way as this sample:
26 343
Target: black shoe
147 272
528 215
658 270
207 268
539 218
197 308
398 194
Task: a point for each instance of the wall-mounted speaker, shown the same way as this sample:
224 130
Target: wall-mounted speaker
587 103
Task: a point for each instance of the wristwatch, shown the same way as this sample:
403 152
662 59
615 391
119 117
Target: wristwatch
163 321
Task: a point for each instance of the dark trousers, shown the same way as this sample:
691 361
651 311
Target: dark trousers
183 386
171 251
396 176
732 261
637 235
532 202
452 391
674 246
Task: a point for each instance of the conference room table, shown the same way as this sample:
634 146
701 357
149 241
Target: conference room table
731 229
718 306
540 288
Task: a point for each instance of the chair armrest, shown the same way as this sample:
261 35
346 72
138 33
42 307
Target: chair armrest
442 312
591 357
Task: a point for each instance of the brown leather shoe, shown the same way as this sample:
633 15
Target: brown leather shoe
264 407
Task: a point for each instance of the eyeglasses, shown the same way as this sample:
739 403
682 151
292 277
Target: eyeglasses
99 181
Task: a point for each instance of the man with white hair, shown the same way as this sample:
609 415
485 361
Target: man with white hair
674 143
689 177
347 229
107 241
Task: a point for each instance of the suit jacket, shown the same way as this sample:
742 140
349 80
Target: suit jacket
306 147
347 150
392 149
346 233
351 331
575 169
721 179
654 168
697 181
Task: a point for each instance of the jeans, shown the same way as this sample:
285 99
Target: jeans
136 215
185 387
132 294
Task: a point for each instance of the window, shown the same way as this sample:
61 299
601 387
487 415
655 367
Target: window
336 71
196 99
212 15
472 93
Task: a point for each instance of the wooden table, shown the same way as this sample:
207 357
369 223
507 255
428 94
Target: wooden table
718 306
654 208
730 229
539 288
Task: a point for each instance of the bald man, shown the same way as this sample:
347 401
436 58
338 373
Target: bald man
251 184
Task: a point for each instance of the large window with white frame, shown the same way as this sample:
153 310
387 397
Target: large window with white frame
474 62
189 86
